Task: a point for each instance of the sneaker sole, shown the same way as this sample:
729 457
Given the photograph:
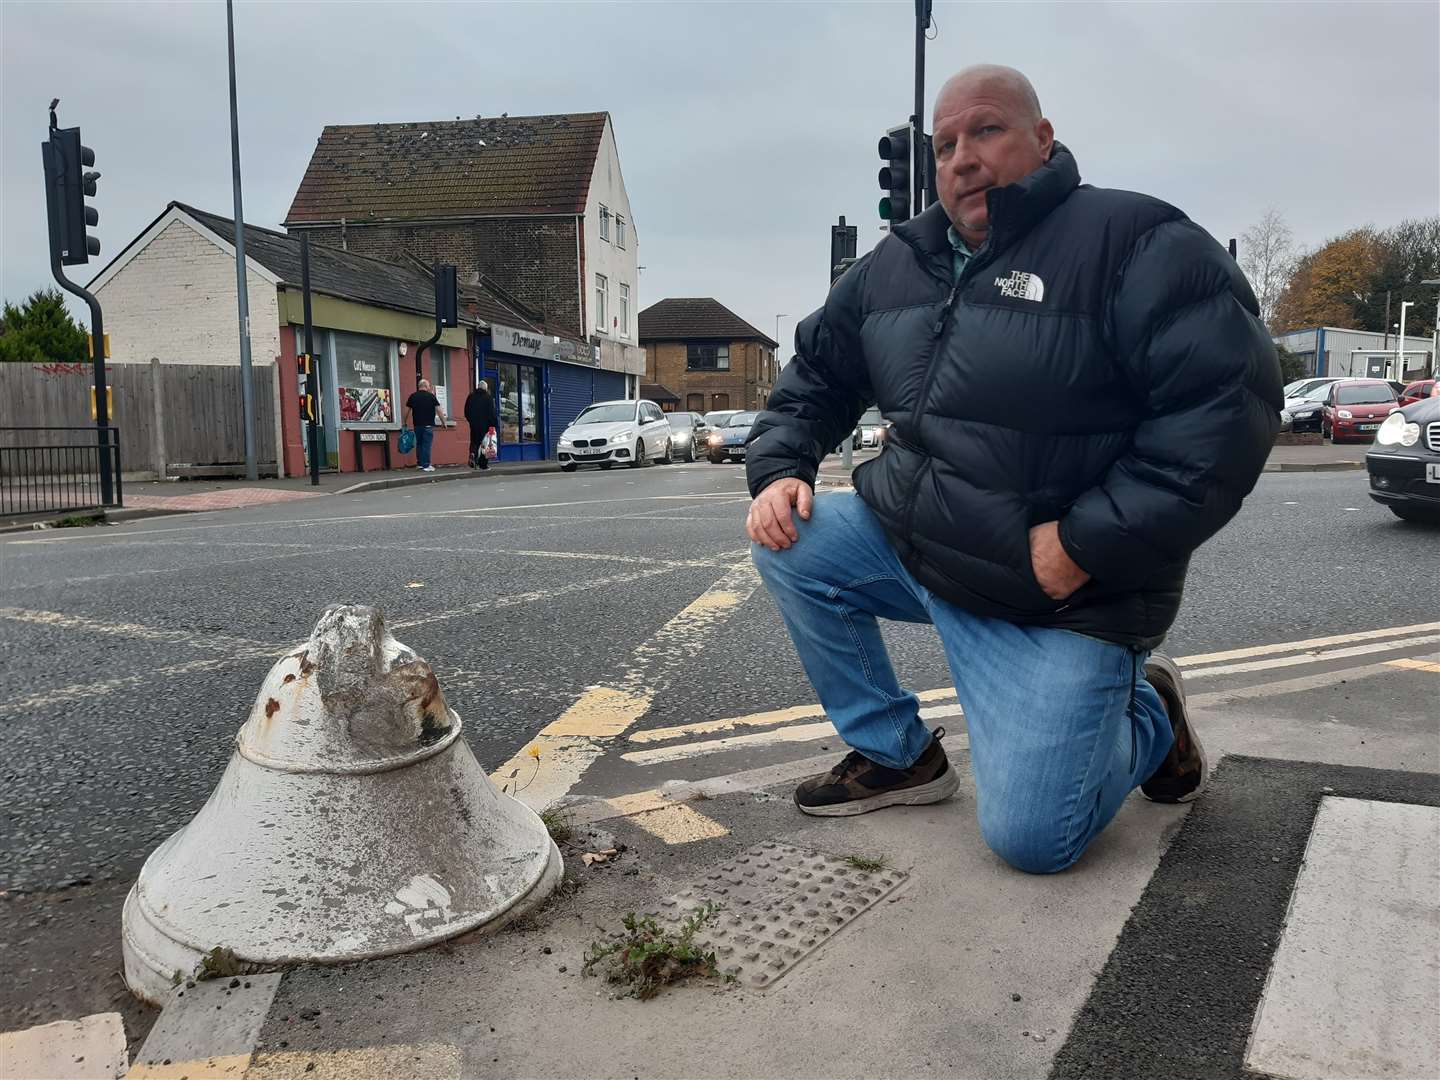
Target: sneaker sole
937 790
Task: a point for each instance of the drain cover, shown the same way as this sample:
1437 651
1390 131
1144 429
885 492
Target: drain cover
777 904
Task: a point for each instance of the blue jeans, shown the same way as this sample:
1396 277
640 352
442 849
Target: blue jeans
1061 726
424 437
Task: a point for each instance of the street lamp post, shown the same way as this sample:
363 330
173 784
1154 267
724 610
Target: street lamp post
1435 332
1400 342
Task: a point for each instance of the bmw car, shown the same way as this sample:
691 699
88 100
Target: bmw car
1404 463
727 442
608 433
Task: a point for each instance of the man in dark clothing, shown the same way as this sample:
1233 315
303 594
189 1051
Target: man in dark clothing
422 407
480 415
1081 393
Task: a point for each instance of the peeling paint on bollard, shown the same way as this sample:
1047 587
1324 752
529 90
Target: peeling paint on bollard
351 822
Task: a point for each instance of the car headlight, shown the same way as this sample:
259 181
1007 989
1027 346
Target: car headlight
1306 415
683 437
623 437
1345 414
1397 431
716 439
565 440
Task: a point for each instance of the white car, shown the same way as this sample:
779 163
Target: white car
632 433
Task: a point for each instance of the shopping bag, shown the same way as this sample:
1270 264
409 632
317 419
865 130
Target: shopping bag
491 445
406 443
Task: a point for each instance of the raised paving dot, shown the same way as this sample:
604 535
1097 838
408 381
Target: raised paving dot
772 936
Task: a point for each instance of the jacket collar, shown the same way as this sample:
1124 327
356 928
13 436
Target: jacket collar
1014 210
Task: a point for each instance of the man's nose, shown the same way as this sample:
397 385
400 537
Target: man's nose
963 159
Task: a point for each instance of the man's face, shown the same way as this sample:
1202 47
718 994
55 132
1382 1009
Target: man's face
983 139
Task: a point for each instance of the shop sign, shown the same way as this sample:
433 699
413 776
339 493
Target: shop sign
518 341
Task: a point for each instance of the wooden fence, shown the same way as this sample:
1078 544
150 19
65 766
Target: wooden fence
168 414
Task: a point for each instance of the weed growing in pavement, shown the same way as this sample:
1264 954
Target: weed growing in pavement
864 862
78 521
646 957
559 824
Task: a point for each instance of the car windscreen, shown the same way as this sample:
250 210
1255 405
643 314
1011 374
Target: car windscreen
606 414
1365 395
681 419
1317 393
715 419
742 419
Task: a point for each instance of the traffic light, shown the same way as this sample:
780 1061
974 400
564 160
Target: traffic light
895 176
446 303
304 369
71 180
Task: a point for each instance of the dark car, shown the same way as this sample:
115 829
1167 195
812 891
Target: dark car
688 435
1302 412
1404 463
1417 391
727 442
1355 409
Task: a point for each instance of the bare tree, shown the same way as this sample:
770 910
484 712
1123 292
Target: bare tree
1267 255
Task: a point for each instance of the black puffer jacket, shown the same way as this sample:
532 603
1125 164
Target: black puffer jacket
1100 362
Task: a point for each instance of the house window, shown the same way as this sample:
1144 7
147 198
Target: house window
604 222
364 378
707 357
602 297
619 231
624 313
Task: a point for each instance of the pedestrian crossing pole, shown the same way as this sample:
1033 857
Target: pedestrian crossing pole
309 392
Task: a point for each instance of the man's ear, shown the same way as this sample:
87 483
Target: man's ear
1046 134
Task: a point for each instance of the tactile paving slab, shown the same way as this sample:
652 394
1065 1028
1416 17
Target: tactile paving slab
777 904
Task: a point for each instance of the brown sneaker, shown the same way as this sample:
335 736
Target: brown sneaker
858 785
1182 775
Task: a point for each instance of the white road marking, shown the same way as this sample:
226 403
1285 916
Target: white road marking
1281 687
1310 657
773 737
198 640
1353 988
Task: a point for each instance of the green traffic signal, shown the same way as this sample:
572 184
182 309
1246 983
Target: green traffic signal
885 208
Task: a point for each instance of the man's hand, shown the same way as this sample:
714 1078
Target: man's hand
769 521
1056 572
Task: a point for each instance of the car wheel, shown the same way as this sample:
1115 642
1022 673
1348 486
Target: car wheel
569 466
716 459
1422 514
638 460
690 452
665 458
1324 430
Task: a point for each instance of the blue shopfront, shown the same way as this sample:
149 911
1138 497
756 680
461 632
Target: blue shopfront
539 383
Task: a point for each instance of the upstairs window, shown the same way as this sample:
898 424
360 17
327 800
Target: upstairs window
602 303
707 357
619 231
604 222
623 315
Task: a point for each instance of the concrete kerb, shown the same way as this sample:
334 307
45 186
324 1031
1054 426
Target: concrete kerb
523 469
1313 466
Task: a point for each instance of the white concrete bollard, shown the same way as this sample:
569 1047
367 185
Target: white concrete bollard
351 822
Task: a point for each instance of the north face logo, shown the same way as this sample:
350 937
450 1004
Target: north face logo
1021 286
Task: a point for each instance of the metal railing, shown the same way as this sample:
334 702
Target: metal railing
45 470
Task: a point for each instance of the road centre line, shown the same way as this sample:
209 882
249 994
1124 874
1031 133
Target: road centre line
203 640
1311 643
570 744
151 571
80 691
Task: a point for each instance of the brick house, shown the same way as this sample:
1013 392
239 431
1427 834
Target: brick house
706 355
534 205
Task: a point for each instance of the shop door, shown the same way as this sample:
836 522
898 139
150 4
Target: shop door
521 406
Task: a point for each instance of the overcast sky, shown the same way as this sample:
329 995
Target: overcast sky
743 128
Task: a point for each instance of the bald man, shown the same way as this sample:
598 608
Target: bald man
1081 393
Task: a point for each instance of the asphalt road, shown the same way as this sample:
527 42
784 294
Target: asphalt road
133 653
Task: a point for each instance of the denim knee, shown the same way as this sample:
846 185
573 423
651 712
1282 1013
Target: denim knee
1030 844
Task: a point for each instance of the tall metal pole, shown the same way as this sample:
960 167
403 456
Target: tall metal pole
920 169
1386 345
1400 342
312 378
242 293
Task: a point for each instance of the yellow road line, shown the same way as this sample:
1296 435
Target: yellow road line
1415 665
1311 643
582 733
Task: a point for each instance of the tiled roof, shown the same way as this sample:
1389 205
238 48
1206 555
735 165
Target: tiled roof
403 286
685 317
450 168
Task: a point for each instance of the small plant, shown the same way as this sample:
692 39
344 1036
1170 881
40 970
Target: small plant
864 862
646 957
559 824
221 963
78 521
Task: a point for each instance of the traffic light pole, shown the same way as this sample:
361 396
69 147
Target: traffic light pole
920 171
97 323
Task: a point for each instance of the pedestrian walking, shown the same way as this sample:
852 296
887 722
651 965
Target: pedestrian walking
480 415
423 407
1081 393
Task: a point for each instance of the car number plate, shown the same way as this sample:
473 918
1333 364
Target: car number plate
1368 427
1432 472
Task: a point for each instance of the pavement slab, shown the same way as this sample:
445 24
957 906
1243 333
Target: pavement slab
91 1048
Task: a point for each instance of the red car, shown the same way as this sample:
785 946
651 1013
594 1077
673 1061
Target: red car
1417 391
1355 409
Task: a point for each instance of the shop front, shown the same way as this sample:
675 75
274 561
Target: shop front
540 383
